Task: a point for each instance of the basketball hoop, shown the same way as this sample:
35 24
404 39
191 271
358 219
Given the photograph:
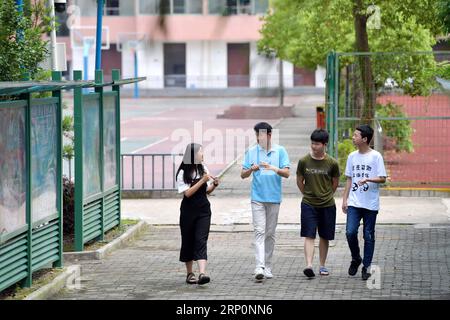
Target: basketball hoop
130 41
80 36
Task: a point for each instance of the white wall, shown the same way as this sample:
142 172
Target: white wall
151 65
288 70
216 67
128 66
127 63
264 71
321 73
78 62
88 7
206 64
195 60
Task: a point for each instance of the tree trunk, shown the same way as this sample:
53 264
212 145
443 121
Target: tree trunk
365 66
281 83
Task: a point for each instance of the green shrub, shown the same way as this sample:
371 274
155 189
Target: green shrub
443 70
397 134
24 50
68 206
67 127
344 149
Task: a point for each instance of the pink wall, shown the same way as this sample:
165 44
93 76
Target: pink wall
185 27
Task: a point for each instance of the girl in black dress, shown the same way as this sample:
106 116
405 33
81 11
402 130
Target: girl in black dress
195 182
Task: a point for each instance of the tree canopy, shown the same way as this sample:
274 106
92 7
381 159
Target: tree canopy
22 45
305 31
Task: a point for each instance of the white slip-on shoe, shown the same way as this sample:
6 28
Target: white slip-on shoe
259 273
268 273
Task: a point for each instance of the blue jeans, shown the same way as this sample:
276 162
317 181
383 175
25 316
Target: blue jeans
369 217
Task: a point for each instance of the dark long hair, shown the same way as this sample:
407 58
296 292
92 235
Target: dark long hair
188 165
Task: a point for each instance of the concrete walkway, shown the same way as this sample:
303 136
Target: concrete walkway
228 211
411 260
411 263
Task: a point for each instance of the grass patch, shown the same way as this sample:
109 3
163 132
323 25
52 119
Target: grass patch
40 279
110 235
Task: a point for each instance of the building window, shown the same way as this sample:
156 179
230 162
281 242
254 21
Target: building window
195 7
261 6
170 7
179 6
111 8
148 6
62 30
174 65
88 8
236 7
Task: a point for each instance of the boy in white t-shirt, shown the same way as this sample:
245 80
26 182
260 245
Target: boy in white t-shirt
364 171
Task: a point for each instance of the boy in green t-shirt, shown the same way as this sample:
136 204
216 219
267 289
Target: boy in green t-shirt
317 179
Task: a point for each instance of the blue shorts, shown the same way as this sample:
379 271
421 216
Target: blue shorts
321 219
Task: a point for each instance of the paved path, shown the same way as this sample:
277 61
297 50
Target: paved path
236 210
414 263
412 248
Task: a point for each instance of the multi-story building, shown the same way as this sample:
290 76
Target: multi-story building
194 44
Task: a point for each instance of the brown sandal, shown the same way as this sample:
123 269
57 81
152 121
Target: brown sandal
190 278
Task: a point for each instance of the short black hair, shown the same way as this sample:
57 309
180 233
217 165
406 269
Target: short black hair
366 132
263 126
320 135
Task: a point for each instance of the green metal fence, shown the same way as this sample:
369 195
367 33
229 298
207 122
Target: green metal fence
399 95
30 180
97 158
31 231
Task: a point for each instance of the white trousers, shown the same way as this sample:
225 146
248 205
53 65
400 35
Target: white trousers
265 219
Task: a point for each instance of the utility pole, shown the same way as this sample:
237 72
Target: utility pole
281 82
52 34
19 4
280 67
19 32
98 38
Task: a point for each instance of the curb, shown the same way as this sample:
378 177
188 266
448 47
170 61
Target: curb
105 250
55 285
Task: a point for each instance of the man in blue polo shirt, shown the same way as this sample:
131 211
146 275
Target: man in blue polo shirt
268 162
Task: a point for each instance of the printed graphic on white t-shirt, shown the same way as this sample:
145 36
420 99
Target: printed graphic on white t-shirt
365 166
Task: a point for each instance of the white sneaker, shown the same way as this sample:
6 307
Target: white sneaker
268 273
259 273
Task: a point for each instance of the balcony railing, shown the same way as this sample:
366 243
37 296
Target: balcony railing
111 11
222 81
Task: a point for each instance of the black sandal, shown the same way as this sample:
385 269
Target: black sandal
190 278
309 273
203 278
